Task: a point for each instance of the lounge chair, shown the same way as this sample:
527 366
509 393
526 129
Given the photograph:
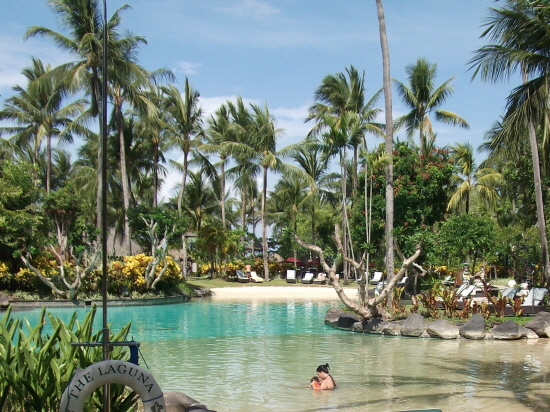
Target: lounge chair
379 286
509 293
321 279
533 300
402 281
308 278
255 277
377 277
467 291
241 277
290 276
448 280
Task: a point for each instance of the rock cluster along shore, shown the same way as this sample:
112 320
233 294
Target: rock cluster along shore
417 326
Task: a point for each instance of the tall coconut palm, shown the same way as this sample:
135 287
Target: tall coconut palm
482 182
316 166
423 99
264 135
184 124
518 33
388 141
39 114
222 140
345 93
129 85
84 21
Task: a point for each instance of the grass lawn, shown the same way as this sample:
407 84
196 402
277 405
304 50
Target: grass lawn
207 282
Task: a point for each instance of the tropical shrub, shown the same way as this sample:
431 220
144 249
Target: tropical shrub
36 366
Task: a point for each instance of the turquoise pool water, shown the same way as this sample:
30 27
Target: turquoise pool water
258 355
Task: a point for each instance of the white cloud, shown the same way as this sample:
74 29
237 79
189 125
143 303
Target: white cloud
15 54
254 9
187 68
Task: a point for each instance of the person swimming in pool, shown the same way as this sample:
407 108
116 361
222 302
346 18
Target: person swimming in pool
315 383
327 381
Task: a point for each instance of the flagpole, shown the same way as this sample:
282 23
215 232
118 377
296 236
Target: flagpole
106 332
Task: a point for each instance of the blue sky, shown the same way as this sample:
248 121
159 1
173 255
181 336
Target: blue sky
277 52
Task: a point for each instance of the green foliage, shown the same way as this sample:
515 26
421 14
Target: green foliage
420 197
167 220
22 225
36 367
466 236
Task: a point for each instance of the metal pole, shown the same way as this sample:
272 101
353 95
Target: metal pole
106 333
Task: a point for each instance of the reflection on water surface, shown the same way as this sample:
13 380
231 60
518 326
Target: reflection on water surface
259 355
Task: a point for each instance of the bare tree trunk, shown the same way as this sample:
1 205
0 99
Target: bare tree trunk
388 144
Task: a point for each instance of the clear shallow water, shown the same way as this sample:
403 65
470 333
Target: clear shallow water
258 355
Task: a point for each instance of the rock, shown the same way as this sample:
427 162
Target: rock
540 324
332 316
443 329
179 402
475 328
374 325
347 319
509 330
357 327
201 293
414 325
4 300
392 328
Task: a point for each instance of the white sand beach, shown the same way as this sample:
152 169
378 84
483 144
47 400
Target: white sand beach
281 292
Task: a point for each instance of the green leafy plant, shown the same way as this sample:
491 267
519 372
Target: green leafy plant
36 366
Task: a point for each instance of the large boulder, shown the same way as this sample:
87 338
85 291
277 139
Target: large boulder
332 316
347 319
509 330
392 328
475 328
443 329
179 402
414 325
374 325
540 324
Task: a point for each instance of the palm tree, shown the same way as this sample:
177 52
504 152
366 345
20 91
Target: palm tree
185 124
83 19
39 114
345 93
264 135
286 202
519 32
388 141
481 182
311 159
222 140
201 202
423 98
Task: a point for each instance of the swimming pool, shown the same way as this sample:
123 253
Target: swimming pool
259 354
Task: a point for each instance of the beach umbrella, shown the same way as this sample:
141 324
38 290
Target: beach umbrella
296 262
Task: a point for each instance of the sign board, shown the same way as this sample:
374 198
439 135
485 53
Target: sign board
85 381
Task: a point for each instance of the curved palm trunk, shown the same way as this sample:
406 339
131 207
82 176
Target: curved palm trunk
156 174
99 196
344 217
264 227
541 222
123 177
222 194
49 164
183 180
388 143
